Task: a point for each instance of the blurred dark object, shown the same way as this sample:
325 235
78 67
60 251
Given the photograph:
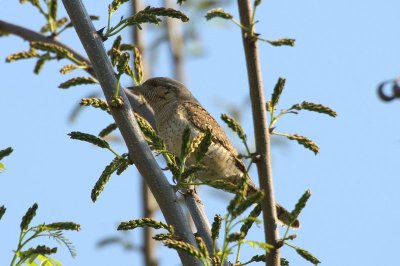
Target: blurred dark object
389 90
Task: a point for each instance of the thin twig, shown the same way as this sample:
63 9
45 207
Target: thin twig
138 149
262 137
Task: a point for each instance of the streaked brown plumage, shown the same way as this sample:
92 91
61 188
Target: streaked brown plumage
175 108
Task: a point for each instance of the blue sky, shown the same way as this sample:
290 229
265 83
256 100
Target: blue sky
343 50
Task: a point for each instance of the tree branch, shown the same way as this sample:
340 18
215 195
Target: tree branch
148 202
139 151
262 136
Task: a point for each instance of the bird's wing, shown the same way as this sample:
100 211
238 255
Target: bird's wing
203 121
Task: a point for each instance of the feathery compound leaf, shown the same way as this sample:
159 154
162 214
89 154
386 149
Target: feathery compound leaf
106 131
59 23
258 258
69 68
216 227
33 2
280 84
59 237
77 81
62 226
138 65
151 15
186 247
281 42
202 246
234 125
286 217
114 52
40 64
284 262
22 55
236 236
204 145
124 164
51 47
254 198
251 219
89 138
52 4
40 249
218 13
192 170
123 62
2 211
150 134
132 224
96 103
165 12
265 246
307 255
301 204
26 220
302 140
161 237
185 148
222 184
314 107
115 5
6 152
105 176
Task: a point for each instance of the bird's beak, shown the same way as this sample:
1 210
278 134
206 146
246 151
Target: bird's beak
137 89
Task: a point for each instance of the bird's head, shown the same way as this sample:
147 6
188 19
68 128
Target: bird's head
160 92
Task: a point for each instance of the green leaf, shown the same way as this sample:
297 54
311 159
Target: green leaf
77 81
282 42
280 84
185 143
302 140
314 107
254 198
234 125
204 145
106 131
300 204
257 244
149 222
52 4
115 4
2 211
106 175
216 227
251 219
40 64
307 255
53 48
218 13
27 218
6 152
89 138
22 55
